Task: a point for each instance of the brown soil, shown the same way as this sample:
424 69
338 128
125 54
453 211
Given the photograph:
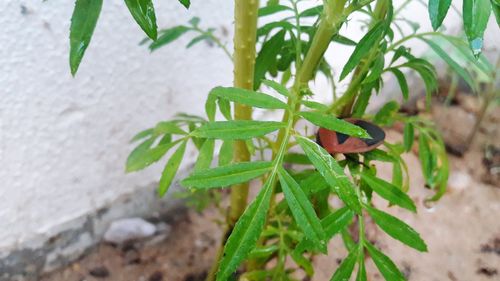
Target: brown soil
462 230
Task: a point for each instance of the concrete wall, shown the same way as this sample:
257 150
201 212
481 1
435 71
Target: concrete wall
64 140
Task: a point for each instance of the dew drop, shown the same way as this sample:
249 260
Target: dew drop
476 45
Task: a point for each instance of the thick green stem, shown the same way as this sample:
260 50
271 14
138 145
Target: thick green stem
245 36
245 30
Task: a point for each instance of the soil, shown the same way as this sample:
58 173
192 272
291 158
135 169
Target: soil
462 230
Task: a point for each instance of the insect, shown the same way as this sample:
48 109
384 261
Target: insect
335 142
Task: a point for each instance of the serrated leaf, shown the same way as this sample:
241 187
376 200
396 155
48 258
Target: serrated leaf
143 12
247 97
403 84
389 192
226 153
302 209
246 232
453 64
344 271
315 105
397 229
185 3
280 89
384 264
267 56
336 221
205 156
331 172
143 155
330 122
83 22
168 36
437 11
237 129
476 14
226 175
171 168
363 47
408 136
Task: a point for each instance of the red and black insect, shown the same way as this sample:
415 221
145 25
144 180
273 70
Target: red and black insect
335 142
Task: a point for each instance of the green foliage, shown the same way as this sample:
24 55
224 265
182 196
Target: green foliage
83 22
292 219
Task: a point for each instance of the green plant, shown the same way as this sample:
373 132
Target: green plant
291 218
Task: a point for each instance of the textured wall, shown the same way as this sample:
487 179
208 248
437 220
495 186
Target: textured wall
64 141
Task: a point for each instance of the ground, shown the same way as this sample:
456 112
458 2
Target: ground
462 230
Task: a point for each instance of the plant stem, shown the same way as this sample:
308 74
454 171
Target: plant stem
245 36
345 103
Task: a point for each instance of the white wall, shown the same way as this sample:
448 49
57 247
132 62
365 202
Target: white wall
63 140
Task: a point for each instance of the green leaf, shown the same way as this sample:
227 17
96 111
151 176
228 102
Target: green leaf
143 12
225 108
476 14
168 127
205 156
376 69
312 12
385 115
143 155
236 129
314 183
171 168
226 175
330 122
280 89
246 232
361 271
495 6
403 84
198 39
336 221
226 153
185 3
267 56
331 171
424 154
211 107
363 47
142 134
389 192
408 136
272 9
437 11
315 105
296 158
397 229
168 36
83 22
247 97
384 264
302 209
453 64
344 271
